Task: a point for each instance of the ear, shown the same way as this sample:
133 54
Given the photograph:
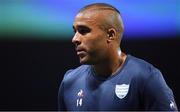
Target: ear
111 34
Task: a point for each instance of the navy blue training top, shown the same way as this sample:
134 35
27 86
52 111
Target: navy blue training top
136 86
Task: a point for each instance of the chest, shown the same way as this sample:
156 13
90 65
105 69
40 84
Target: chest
105 95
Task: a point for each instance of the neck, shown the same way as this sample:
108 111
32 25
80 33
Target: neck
111 66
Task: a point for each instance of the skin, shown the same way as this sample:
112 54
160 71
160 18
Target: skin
96 46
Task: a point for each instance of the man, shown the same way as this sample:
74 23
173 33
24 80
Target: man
108 79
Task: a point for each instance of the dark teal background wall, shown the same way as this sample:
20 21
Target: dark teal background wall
54 18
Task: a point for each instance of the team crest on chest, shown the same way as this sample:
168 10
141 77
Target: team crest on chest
121 90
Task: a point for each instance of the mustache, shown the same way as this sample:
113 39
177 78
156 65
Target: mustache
79 48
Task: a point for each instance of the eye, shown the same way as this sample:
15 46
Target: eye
84 30
74 30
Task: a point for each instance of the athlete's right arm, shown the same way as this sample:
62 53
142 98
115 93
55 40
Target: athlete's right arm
61 104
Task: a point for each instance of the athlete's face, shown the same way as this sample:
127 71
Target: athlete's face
90 40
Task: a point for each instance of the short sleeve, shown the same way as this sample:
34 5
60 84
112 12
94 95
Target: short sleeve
157 95
61 104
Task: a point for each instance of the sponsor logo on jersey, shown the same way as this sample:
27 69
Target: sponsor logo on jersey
80 98
121 90
172 105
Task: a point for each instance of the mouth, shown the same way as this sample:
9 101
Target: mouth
80 52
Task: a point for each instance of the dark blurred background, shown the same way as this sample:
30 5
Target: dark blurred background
36 48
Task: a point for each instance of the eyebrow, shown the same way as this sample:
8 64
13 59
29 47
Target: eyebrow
81 26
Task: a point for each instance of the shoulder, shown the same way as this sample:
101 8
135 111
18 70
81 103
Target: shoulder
73 74
141 67
144 74
138 63
154 91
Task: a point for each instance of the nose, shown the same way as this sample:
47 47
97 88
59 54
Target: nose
76 39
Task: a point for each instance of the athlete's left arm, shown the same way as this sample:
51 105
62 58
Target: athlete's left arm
157 95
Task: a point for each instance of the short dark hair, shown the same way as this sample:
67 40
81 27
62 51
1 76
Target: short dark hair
117 22
103 6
